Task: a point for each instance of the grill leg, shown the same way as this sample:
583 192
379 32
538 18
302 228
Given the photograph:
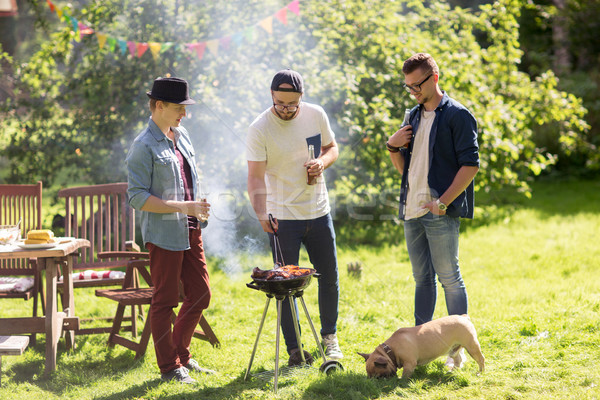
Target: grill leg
297 328
312 327
279 302
262 321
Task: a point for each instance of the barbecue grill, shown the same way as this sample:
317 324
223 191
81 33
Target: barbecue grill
281 289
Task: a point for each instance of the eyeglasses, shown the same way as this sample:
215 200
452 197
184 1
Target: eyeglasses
281 107
416 88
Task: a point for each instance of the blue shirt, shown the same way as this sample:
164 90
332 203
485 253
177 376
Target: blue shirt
153 169
452 144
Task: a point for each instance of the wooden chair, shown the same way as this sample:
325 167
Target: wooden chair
24 203
129 295
101 214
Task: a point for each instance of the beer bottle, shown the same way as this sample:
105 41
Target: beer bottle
310 179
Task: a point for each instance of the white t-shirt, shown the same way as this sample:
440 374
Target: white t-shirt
284 146
419 192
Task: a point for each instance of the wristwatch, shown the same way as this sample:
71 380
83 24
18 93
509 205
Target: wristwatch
441 205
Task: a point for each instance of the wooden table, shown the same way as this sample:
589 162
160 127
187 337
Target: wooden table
54 322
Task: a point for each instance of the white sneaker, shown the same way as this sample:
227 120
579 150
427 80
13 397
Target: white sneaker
332 348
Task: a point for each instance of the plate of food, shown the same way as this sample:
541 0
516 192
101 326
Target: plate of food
31 246
39 239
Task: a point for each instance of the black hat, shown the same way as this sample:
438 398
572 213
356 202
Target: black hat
172 90
290 77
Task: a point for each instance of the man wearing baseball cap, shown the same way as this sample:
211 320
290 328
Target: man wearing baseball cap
162 178
279 172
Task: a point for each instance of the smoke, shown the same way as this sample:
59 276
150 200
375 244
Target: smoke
231 91
223 237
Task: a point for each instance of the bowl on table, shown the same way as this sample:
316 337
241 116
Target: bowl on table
9 234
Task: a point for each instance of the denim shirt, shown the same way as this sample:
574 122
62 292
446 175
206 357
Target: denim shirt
452 144
153 169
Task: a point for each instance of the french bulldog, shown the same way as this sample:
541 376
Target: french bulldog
419 345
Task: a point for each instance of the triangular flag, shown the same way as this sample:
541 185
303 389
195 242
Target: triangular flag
200 47
282 15
225 42
65 13
213 46
141 49
51 5
294 7
111 44
59 12
249 34
75 24
166 46
122 45
267 25
84 30
101 39
131 47
154 49
237 38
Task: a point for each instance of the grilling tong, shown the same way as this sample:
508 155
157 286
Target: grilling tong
276 246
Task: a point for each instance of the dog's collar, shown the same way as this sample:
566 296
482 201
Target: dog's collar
389 353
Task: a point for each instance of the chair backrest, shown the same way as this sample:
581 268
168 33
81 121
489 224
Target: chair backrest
24 203
101 214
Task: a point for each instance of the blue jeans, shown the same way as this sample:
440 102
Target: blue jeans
318 237
432 242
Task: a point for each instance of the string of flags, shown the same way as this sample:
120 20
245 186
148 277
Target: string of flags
138 49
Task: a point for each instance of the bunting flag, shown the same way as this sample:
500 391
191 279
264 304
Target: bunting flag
225 42
281 15
122 46
213 46
138 49
166 46
101 39
112 42
154 49
141 48
131 47
267 25
294 7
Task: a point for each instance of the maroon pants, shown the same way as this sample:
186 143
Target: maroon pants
168 268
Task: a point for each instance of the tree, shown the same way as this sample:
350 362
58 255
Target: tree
369 40
78 106
562 35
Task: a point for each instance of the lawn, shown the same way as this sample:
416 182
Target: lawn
532 275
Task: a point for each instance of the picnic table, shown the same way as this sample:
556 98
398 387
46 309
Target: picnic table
54 322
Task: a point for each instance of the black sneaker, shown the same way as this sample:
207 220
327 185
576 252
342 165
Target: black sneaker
178 374
193 365
296 358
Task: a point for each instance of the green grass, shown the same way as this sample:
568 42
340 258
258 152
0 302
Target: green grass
532 276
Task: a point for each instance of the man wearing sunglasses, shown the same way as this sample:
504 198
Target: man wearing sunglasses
278 170
438 157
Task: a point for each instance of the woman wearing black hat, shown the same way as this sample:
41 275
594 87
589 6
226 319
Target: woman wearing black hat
162 178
